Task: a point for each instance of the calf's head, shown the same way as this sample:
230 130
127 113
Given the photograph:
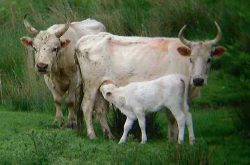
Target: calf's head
200 54
106 89
46 46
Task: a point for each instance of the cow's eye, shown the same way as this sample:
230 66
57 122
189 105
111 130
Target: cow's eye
208 60
55 49
190 60
34 49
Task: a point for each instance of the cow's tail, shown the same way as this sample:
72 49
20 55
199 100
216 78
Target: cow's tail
79 113
79 98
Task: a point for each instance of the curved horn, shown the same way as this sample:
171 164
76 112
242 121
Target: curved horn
218 36
181 37
29 27
60 32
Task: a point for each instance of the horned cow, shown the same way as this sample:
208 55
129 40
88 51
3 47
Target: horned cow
132 59
54 58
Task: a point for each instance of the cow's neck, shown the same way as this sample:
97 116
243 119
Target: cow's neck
58 68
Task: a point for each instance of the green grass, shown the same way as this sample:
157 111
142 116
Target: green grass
29 138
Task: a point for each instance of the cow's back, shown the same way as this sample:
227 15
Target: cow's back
129 59
88 26
79 29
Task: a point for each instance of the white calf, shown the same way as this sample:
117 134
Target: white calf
136 99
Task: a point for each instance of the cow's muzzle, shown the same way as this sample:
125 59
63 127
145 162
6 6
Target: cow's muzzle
198 81
42 68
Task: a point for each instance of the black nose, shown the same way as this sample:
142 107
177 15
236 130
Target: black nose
42 67
198 81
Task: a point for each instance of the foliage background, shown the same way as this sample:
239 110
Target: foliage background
128 17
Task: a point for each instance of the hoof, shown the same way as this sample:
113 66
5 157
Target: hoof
92 136
72 125
58 122
191 142
180 141
108 134
111 137
121 142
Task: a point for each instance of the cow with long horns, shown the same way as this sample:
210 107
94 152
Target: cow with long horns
132 59
54 58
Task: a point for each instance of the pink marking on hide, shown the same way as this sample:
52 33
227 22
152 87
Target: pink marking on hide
160 44
114 41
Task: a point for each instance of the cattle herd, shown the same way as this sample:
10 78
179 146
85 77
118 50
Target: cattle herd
138 75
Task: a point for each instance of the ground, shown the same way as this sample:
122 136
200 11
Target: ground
30 138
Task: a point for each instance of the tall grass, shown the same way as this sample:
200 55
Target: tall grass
136 17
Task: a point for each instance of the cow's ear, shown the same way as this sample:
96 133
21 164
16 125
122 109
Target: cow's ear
184 51
218 51
109 93
65 43
26 41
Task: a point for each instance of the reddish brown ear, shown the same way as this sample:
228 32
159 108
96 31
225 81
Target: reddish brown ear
65 43
26 41
184 51
218 51
109 93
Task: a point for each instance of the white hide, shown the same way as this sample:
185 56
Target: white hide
137 99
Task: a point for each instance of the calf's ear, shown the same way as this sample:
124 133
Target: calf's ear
218 51
184 51
26 41
65 43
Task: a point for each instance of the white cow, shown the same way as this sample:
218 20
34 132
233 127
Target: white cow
137 99
54 58
132 59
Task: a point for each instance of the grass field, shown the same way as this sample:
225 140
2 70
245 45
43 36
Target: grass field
30 138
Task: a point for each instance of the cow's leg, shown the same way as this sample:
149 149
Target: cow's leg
189 123
101 107
127 127
172 127
70 102
87 108
57 96
74 92
59 115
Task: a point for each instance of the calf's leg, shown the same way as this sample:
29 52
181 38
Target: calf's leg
142 124
127 127
189 123
180 119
